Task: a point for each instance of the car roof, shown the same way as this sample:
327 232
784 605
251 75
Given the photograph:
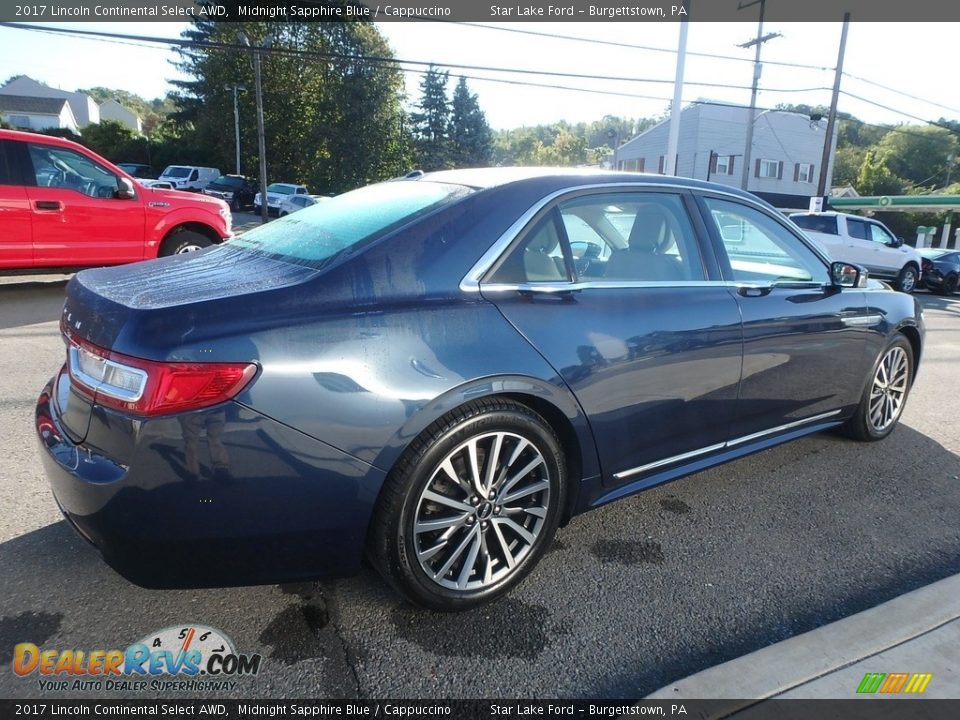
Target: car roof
484 178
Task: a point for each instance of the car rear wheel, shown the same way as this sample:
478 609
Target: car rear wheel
907 279
183 242
471 507
886 393
949 286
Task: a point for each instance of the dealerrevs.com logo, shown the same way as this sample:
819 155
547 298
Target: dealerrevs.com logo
185 658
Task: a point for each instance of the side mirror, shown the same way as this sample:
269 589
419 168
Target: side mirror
125 189
848 275
897 242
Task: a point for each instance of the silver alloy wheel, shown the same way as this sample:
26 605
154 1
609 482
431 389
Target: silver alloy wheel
192 247
908 280
889 389
482 510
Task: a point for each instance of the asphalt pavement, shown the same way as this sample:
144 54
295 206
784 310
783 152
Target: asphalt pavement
632 597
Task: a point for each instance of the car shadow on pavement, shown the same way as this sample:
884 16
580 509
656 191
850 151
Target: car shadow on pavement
29 303
633 596
944 303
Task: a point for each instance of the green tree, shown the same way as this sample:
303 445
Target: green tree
875 178
431 124
919 155
332 121
470 135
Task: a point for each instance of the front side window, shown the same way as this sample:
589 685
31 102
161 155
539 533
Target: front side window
58 167
538 257
760 249
880 235
857 229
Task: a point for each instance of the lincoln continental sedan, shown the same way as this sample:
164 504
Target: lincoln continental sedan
434 373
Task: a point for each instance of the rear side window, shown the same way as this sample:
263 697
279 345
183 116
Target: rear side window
615 237
826 224
348 221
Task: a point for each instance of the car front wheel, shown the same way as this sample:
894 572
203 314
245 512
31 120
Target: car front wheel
183 242
471 507
907 279
886 393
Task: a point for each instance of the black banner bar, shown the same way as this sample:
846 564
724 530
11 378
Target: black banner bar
476 10
865 709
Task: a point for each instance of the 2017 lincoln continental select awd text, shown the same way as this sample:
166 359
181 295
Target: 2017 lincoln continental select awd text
437 371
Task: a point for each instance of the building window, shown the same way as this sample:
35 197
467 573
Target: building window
722 165
19 121
632 165
768 169
803 172
661 166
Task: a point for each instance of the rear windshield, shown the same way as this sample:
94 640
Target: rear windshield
347 222
228 181
176 172
817 223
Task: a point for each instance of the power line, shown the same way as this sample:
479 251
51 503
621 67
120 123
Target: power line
901 112
632 46
376 59
901 92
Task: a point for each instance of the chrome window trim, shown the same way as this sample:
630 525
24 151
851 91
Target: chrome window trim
721 446
563 286
471 281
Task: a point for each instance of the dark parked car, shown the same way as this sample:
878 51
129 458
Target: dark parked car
236 190
138 170
941 268
425 372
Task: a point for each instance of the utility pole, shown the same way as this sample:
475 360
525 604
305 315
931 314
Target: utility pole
758 41
673 139
258 92
826 160
236 118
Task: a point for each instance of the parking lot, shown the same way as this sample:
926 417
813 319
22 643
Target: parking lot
631 596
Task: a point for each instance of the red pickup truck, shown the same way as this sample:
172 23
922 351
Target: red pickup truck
65 207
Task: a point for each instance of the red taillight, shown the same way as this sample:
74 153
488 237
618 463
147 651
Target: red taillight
149 387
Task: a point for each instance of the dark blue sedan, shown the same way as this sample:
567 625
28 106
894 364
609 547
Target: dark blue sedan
438 371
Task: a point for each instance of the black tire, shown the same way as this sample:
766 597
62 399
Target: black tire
907 279
949 286
394 540
862 425
184 241
235 204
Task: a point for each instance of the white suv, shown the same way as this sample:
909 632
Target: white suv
866 242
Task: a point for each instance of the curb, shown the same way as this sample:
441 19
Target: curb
774 670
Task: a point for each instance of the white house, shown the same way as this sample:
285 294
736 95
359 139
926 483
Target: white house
37 113
85 110
785 152
112 110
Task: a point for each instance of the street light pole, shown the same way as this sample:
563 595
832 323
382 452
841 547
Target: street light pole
258 92
236 119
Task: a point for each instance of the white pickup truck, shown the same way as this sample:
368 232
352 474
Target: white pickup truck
866 242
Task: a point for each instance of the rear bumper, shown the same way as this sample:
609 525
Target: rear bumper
214 498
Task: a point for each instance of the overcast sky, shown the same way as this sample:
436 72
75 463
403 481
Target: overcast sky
918 59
